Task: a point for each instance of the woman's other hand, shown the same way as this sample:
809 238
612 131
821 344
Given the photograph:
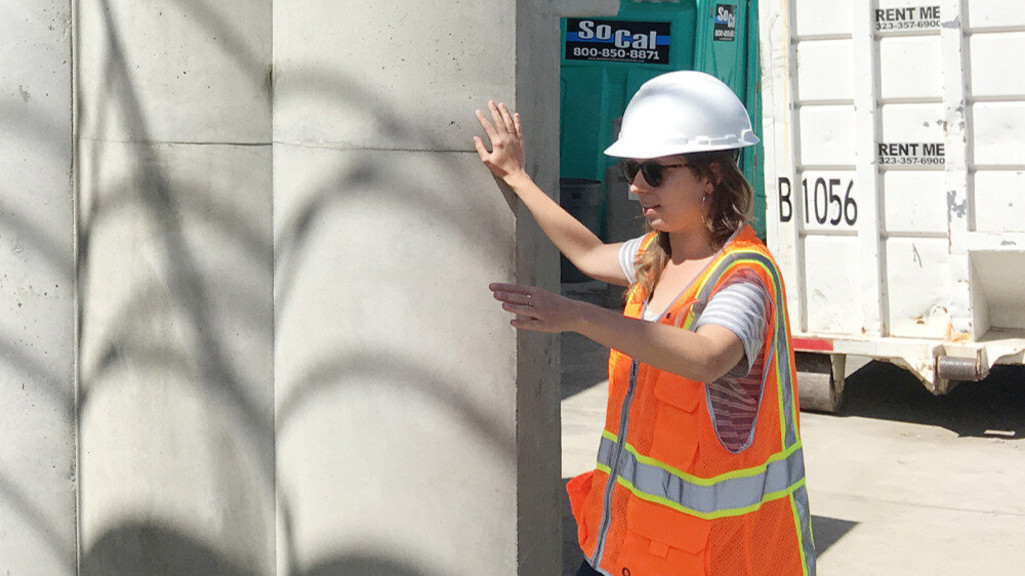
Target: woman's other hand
507 157
537 309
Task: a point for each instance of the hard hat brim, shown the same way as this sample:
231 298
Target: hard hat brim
643 149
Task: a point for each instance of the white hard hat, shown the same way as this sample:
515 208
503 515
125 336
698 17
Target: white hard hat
680 113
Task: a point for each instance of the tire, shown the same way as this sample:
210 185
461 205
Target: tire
820 381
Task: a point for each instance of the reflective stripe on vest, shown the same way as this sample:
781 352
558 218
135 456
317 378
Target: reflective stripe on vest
802 521
730 494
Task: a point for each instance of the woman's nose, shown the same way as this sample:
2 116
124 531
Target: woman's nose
639 185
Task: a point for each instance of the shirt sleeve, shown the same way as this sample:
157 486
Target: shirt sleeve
741 307
628 257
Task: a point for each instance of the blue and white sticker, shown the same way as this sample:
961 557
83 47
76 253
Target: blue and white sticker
618 41
725 23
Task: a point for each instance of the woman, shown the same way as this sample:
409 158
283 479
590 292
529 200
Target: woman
700 468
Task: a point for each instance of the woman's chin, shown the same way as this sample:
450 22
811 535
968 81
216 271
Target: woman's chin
658 226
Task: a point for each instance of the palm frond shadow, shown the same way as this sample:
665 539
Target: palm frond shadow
194 295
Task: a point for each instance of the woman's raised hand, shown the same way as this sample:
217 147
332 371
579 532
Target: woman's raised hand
507 156
537 309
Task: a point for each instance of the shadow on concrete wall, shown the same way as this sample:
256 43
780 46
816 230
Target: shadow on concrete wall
352 368
32 517
32 375
155 550
141 546
349 369
379 174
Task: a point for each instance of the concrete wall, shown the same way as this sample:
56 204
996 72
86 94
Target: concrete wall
175 290
397 376
37 392
396 392
270 269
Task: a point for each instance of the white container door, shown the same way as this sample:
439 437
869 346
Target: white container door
895 159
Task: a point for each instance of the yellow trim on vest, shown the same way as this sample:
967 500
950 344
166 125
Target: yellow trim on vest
782 411
732 265
731 254
689 320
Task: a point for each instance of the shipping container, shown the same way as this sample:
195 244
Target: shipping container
894 136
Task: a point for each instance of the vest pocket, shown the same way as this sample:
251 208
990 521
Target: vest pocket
675 436
679 392
662 541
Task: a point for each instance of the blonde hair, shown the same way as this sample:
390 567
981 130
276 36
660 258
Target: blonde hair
731 200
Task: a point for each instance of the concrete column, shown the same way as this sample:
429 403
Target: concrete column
330 389
396 375
175 290
37 393
417 433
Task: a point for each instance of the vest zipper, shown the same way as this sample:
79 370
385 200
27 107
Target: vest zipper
624 416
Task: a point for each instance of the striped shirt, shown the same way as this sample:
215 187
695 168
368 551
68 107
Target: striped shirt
742 306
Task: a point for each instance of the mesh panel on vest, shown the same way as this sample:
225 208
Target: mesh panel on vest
771 542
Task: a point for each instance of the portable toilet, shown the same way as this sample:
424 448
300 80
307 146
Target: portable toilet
605 61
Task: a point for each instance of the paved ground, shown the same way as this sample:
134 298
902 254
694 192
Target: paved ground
900 482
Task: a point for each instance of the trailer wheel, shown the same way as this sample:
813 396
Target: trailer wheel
820 381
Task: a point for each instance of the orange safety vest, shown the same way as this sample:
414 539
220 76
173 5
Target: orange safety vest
667 498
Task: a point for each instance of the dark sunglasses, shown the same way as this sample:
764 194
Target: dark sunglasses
653 171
